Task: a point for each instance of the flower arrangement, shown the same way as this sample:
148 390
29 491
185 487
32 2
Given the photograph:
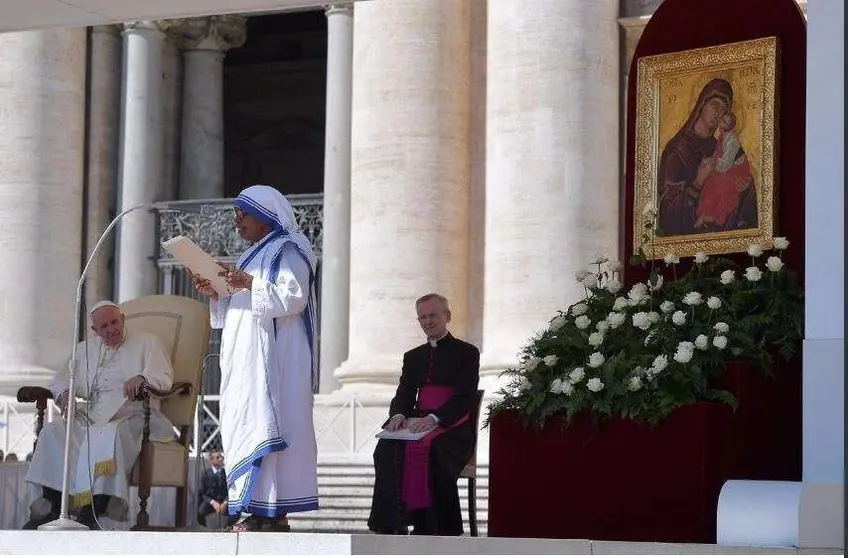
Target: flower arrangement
643 352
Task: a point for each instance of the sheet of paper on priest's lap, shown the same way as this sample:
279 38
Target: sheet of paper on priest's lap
199 262
404 433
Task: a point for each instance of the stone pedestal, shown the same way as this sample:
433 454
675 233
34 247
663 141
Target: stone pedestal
552 185
204 40
42 122
409 182
140 158
335 260
103 140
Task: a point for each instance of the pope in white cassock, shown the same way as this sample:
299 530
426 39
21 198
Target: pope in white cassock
268 365
111 368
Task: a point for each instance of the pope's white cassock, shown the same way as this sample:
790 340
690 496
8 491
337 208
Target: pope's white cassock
105 449
268 368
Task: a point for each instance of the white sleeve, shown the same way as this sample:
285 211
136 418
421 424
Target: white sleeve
289 295
218 311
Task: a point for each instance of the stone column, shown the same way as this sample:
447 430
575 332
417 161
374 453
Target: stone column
552 197
140 158
172 108
103 142
335 260
42 123
409 178
204 40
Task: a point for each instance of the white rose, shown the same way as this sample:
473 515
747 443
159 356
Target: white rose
579 309
576 375
582 322
721 327
566 388
590 282
755 250
656 285
594 384
667 306
615 319
774 264
714 302
599 259
702 342
558 322
550 360
727 277
679 317
556 385
532 363
701 257
638 292
596 339
640 320
670 258
659 364
684 352
693 299
582 274
524 385
720 341
596 360
620 304
753 274
650 373
653 317
614 265
635 384
614 285
780 243
602 326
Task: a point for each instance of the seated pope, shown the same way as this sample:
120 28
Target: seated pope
111 369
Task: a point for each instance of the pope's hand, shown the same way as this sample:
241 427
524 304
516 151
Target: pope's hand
132 387
396 423
62 401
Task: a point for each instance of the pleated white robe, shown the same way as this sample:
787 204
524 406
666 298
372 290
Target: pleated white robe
267 365
107 448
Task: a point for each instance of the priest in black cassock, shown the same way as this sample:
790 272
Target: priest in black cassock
416 481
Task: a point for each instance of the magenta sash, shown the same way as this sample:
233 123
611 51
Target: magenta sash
416 478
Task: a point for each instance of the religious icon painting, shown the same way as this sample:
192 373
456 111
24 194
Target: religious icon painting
705 176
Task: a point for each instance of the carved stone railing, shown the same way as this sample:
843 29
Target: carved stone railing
211 225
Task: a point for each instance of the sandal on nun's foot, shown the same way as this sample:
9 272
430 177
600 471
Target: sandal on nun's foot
251 523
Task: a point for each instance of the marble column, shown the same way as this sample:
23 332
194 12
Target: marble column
141 158
172 108
335 260
409 179
552 188
204 40
42 124
103 143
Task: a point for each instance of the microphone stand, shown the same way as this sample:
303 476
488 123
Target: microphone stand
65 523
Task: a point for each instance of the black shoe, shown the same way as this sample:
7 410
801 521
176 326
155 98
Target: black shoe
34 524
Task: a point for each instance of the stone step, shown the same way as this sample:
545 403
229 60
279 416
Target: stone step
348 525
363 489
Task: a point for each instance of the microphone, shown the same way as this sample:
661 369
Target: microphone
206 209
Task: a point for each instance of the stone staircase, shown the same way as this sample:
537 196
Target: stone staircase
345 485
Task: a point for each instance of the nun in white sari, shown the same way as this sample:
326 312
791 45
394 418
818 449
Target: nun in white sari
268 365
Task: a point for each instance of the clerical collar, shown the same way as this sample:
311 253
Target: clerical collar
434 342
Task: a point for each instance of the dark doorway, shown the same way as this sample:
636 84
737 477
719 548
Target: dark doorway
274 94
